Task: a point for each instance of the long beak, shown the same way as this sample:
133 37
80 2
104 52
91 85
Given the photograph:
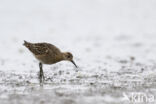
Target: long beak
74 63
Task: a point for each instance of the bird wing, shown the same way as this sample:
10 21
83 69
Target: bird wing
42 48
39 49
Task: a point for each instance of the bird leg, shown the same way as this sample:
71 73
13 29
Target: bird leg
41 74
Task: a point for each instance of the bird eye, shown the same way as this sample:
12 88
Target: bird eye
68 56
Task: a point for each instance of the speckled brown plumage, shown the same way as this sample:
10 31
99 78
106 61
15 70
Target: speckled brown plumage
45 52
48 54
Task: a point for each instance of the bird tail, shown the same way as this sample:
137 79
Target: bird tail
26 43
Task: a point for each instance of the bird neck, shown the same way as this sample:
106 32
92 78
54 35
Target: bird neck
63 56
60 57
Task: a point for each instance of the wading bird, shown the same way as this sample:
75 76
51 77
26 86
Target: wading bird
47 54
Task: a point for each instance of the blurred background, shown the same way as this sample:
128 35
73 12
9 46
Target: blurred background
79 26
50 18
85 27
113 43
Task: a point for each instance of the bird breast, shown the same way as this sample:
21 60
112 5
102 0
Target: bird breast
48 59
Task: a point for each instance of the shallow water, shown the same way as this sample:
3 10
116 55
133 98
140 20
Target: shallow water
76 87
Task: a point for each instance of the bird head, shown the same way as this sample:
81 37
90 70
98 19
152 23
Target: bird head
69 57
